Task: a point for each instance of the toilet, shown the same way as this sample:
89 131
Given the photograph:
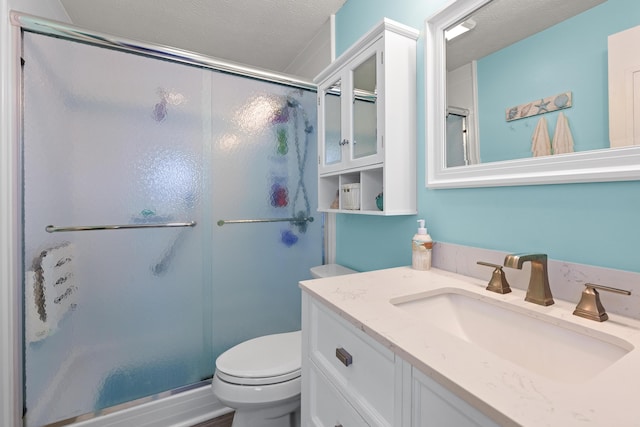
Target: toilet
260 378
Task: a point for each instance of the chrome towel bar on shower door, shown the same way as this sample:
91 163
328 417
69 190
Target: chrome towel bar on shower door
55 229
250 221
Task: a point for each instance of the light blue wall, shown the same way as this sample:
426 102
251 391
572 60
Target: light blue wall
595 223
570 56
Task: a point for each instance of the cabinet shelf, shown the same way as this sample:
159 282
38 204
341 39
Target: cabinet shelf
372 185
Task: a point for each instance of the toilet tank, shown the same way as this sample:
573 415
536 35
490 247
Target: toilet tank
329 270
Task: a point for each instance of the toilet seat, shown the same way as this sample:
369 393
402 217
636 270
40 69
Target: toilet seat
258 381
265 360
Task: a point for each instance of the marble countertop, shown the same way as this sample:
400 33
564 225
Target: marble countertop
506 392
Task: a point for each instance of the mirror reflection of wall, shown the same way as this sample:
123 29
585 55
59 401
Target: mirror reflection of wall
570 56
364 109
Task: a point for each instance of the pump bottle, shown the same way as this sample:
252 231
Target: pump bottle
421 248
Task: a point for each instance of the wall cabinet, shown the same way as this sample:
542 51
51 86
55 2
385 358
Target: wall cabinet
367 125
349 379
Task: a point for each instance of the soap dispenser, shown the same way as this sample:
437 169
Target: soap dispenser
421 248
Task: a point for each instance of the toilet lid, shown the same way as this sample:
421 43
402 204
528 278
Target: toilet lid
264 360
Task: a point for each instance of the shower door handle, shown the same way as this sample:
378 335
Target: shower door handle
56 229
297 219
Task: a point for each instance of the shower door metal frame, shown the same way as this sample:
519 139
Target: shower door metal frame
196 403
11 398
59 29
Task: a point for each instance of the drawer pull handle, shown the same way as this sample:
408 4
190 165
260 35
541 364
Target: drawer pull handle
344 356
338 425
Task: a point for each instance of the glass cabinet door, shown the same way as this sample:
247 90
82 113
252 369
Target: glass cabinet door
350 114
332 124
364 109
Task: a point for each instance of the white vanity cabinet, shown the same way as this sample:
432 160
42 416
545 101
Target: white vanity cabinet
367 124
374 387
435 406
347 377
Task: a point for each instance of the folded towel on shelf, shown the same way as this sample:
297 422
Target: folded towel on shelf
540 142
50 290
562 138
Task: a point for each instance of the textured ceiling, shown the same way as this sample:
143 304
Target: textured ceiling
267 34
504 22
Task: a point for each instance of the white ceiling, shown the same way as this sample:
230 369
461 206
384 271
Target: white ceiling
266 34
270 34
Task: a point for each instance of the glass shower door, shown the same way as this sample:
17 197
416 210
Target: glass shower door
264 167
113 315
111 138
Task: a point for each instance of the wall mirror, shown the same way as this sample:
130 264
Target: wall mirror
528 74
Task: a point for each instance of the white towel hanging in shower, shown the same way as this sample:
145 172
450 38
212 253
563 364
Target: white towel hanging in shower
562 138
35 328
50 291
540 142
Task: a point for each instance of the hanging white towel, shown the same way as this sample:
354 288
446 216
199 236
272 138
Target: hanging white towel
540 142
51 291
35 328
562 138
58 281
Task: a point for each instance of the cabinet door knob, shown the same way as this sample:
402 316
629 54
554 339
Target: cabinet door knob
344 356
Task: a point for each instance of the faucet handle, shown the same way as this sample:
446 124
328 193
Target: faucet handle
590 306
498 282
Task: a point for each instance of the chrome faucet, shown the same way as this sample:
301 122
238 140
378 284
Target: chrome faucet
538 291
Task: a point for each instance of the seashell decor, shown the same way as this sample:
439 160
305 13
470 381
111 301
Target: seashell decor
544 105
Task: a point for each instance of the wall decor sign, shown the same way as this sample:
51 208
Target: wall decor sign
541 106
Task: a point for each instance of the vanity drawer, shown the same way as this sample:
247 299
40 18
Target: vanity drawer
327 407
362 369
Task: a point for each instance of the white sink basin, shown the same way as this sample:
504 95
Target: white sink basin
551 347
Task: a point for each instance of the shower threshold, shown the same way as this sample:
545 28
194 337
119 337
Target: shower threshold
69 390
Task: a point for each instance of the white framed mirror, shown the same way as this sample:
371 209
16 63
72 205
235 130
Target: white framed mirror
510 129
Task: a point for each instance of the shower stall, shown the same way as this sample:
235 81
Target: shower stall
168 214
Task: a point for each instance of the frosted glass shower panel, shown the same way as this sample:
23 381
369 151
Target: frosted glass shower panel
264 166
113 138
456 140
